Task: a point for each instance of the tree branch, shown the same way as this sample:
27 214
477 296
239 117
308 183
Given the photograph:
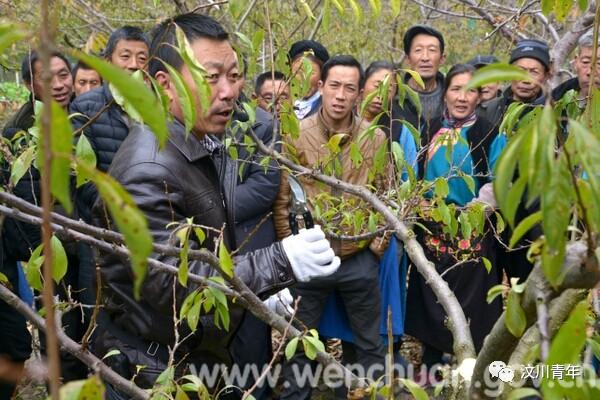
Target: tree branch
580 272
75 349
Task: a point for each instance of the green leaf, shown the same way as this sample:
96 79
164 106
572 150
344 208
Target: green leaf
235 8
258 38
398 155
521 393
562 8
395 5
71 390
32 269
312 346
3 279
547 6
511 117
339 6
568 343
515 194
356 9
60 148
372 224
487 264
136 93
583 4
129 220
524 226
556 205
193 315
182 271
245 41
92 389
355 155
10 33
470 182
290 348
376 7
441 187
200 234
417 391
307 10
334 142
514 318
571 337
111 353
180 394
59 259
225 260
494 292
186 98
415 76
86 155
367 101
21 165
414 99
497 73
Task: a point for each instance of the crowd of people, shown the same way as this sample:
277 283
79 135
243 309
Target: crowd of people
346 286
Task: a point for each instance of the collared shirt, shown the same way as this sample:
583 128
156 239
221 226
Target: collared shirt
302 107
209 143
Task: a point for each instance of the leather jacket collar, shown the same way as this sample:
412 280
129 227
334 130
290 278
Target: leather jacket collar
191 147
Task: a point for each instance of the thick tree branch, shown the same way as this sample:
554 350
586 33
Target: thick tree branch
580 271
75 349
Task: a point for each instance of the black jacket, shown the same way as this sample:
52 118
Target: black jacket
180 181
495 109
256 188
408 111
108 131
105 134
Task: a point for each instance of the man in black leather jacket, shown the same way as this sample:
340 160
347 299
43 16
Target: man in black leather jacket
182 180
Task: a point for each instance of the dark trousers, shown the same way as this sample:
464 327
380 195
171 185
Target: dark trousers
251 347
357 282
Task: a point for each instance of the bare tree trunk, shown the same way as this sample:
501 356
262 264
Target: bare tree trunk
46 44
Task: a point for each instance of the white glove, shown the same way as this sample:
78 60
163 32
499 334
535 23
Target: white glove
310 254
281 303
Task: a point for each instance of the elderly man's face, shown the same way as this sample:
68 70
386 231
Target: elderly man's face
583 68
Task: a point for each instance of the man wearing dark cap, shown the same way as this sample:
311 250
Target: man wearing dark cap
532 56
424 49
317 54
491 90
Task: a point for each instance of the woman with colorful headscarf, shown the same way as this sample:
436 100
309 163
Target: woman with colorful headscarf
456 149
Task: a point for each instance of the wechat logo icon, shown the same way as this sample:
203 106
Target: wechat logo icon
498 369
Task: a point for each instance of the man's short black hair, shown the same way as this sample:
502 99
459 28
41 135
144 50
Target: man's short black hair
30 59
266 76
80 65
194 26
132 33
345 61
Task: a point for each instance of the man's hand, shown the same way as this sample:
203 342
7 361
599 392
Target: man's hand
380 244
310 254
281 303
